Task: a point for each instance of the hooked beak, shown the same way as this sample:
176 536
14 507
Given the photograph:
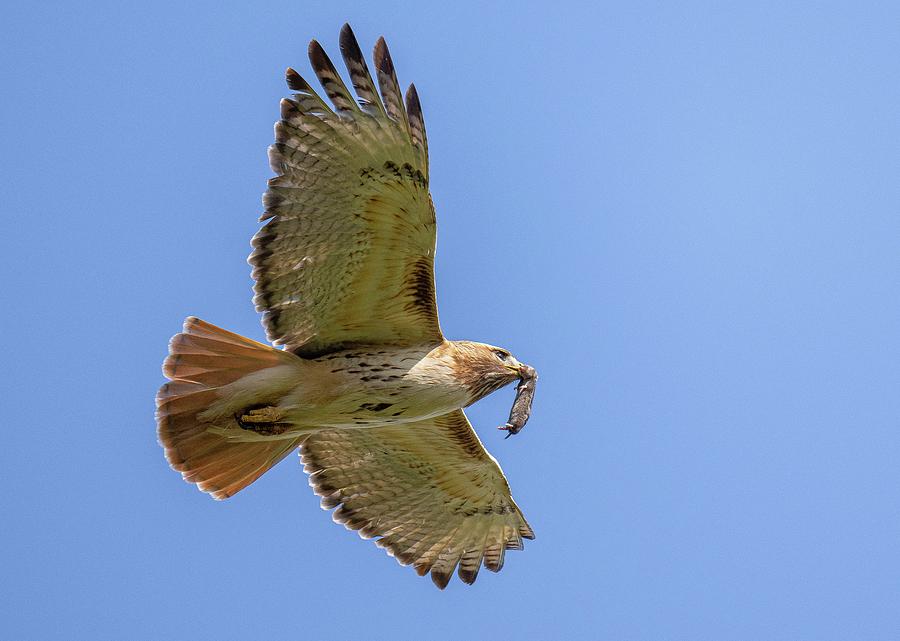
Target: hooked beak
525 372
515 367
521 370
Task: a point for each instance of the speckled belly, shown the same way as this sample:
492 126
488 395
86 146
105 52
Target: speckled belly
379 387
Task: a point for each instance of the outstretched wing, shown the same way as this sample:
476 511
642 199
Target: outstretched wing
347 254
429 489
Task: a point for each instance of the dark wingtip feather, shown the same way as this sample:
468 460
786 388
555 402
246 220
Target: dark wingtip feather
348 38
494 558
383 60
329 78
412 101
359 71
468 576
314 49
307 100
414 112
288 109
319 59
441 579
387 80
416 120
383 57
294 80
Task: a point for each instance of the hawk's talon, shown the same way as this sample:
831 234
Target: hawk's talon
510 430
262 420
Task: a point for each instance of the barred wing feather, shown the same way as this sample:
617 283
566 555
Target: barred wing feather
347 254
429 490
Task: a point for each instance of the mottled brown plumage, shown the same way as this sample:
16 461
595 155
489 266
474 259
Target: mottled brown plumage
367 386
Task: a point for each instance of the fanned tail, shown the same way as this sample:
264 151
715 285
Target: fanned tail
202 359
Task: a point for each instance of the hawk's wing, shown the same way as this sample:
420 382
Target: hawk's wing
429 489
347 256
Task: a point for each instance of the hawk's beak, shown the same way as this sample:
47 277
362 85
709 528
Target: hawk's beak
515 367
522 370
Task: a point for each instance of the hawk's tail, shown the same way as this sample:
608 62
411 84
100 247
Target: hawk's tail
201 359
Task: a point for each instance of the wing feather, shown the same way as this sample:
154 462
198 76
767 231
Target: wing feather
470 561
359 72
307 101
429 490
346 256
330 79
416 121
390 88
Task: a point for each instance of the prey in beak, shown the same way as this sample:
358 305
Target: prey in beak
521 408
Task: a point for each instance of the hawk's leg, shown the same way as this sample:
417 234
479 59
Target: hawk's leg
265 420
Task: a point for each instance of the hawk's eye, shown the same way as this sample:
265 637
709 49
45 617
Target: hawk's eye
501 354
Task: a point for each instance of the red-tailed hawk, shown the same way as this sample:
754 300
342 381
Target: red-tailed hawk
366 386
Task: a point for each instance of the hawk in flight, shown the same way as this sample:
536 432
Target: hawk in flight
365 385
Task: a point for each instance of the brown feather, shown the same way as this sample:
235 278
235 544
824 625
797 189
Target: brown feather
428 489
359 72
347 255
345 260
390 88
416 121
330 79
201 359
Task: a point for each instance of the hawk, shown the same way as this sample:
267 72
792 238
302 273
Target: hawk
364 384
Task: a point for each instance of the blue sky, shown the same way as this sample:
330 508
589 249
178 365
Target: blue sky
685 215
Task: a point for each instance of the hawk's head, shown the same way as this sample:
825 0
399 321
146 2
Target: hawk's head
485 368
